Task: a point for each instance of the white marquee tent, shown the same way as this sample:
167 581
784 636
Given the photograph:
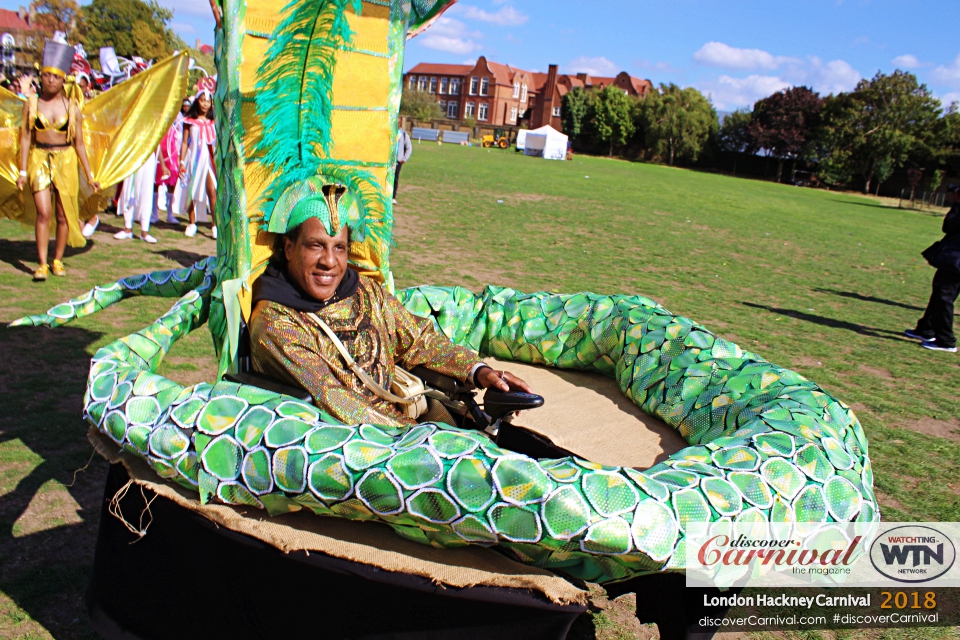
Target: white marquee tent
545 141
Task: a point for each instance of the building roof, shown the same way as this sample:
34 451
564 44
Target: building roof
441 69
10 20
502 73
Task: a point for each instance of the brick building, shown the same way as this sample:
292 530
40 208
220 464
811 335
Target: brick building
499 94
489 92
22 41
552 86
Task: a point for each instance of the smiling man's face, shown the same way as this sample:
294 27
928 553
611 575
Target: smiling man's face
317 261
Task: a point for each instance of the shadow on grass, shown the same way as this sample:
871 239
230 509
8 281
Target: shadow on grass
183 258
863 330
20 253
857 296
49 512
877 205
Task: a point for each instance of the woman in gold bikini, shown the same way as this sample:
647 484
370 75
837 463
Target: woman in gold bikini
51 142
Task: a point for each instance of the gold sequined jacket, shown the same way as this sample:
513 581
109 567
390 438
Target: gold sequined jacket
378 332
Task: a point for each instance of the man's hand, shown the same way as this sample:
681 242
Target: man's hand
501 380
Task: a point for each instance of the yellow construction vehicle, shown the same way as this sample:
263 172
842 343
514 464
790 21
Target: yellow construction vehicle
500 138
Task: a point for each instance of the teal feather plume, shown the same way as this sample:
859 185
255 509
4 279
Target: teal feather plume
294 93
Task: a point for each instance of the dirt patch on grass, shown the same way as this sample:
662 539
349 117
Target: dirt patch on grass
889 501
188 371
938 428
883 374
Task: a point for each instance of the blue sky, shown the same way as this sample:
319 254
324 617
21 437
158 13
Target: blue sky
735 51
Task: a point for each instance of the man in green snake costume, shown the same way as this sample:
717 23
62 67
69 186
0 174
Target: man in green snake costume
313 90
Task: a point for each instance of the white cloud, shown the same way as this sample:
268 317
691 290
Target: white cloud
599 66
506 16
906 61
948 74
718 54
728 93
824 77
182 27
450 35
950 98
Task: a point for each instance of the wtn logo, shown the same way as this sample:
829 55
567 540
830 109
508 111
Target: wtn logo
912 553
897 554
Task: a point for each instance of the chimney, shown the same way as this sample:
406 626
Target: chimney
199 44
545 105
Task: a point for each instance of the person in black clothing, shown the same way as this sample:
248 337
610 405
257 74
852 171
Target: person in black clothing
935 328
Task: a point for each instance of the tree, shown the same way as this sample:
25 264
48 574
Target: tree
783 122
131 27
677 123
574 112
876 127
612 121
420 105
735 136
59 15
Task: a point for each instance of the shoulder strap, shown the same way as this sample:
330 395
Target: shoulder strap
368 382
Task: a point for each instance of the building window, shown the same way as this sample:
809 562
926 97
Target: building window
516 89
422 84
484 85
482 111
433 85
513 114
523 93
413 82
454 86
444 84
452 108
474 83
556 112
443 105
470 110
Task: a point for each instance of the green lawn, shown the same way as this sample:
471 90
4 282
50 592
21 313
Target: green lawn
821 282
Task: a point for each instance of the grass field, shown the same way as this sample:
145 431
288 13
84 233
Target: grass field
817 281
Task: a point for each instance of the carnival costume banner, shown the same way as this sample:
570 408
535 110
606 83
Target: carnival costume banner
822 554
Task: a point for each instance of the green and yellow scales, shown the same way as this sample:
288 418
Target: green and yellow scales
764 443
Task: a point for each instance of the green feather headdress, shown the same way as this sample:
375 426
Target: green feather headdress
294 103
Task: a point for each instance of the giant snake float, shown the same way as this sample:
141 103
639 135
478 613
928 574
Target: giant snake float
764 443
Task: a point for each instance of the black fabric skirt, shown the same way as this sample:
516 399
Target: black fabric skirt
189 578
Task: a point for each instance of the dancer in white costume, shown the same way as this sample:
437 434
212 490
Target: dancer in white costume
136 199
196 159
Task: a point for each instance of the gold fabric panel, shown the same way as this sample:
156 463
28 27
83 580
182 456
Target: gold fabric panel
263 16
253 50
362 136
361 80
371 28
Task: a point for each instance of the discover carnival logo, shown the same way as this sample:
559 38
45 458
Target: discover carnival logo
912 553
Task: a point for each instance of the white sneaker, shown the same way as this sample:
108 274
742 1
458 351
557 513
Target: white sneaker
123 235
934 346
149 239
214 233
172 219
394 201
88 228
190 231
